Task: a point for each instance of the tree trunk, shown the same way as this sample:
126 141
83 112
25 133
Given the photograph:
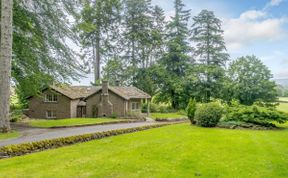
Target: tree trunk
97 62
5 61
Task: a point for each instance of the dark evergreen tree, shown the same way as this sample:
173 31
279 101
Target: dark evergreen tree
137 23
210 54
176 58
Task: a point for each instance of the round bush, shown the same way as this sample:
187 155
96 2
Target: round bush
208 115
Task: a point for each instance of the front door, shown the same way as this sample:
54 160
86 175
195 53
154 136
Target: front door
81 111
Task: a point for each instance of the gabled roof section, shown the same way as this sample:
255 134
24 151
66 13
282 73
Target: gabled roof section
76 92
126 93
130 92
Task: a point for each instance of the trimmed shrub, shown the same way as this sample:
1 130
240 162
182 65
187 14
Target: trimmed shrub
16 116
156 108
208 115
191 109
255 114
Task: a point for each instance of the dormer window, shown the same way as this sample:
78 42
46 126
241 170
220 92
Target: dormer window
51 98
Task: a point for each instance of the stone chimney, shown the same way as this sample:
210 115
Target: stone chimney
105 107
105 86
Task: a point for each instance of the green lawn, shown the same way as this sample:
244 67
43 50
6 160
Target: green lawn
283 107
173 151
69 122
166 115
12 134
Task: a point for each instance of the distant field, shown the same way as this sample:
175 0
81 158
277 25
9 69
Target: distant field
283 107
283 99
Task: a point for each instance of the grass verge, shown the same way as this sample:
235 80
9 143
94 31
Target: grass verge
167 116
70 122
13 134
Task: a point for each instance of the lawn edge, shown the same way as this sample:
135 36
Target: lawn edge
32 147
85 125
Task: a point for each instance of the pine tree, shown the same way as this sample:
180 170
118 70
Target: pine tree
176 59
210 52
137 23
99 29
5 61
157 34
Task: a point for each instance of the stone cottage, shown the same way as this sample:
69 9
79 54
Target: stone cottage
87 101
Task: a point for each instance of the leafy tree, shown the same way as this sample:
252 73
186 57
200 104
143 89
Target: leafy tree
250 80
176 58
98 27
42 40
5 61
210 53
114 71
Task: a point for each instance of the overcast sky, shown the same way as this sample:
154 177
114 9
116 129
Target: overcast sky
258 27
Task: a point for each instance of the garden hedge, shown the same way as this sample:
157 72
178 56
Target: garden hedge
26 148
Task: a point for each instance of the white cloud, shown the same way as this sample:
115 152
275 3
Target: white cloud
252 15
252 26
275 2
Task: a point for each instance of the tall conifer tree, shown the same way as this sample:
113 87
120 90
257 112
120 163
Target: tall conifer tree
176 59
98 26
210 53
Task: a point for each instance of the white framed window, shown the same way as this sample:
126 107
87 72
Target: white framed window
50 114
135 106
51 98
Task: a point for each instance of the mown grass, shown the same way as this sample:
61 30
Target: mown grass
173 151
13 134
167 115
69 122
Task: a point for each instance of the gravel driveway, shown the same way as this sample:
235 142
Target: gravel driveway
36 134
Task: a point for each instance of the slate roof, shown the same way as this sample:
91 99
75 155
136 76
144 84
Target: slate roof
130 92
77 92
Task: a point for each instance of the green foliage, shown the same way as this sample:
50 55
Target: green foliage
254 114
191 109
175 60
157 108
250 81
208 115
41 53
98 27
25 148
210 54
16 115
114 115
